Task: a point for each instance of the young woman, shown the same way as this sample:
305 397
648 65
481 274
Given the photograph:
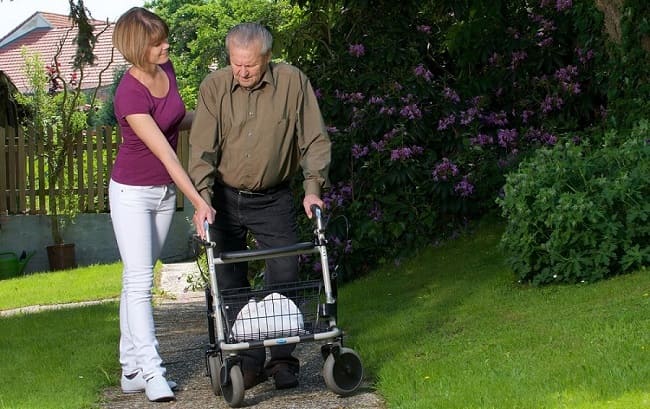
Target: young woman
142 190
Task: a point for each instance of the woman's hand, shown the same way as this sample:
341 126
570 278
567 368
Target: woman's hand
202 212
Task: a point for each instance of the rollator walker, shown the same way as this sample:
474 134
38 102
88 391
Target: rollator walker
244 318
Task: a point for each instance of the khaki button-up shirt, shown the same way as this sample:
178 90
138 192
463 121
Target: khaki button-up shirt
256 139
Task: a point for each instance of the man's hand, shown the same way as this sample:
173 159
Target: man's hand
311 200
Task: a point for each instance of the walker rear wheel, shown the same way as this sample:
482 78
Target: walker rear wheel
343 371
214 366
233 390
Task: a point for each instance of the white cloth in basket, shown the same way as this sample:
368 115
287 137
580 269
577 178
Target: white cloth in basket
275 316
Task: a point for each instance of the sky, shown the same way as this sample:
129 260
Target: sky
12 13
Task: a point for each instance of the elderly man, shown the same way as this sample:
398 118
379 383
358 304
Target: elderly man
256 124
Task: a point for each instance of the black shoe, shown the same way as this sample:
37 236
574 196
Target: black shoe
253 371
252 379
285 379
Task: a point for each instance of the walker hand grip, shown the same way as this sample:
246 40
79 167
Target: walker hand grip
317 214
206 228
316 210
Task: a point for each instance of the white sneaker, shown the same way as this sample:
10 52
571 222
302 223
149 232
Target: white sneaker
137 384
157 389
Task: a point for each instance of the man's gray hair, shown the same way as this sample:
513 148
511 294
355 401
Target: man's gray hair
244 34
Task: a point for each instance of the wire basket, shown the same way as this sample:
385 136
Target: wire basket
278 311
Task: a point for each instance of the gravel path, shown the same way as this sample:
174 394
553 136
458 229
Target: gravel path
181 327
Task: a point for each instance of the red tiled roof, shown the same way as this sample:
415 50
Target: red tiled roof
46 41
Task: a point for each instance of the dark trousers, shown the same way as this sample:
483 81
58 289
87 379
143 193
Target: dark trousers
271 218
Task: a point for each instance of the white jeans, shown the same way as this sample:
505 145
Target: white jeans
141 218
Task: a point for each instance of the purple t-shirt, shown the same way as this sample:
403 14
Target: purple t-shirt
135 164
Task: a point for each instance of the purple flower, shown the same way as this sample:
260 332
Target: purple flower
561 5
444 170
584 57
351 98
387 111
378 146
424 29
507 137
550 103
496 119
481 140
445 123
391 134
450 94
359 151
411 112
549 139
572 88
467 117
375 213
422 71
338 243
356 50
540 136
464 188
494 59
337 195
406 152
566 74
517 57
525 115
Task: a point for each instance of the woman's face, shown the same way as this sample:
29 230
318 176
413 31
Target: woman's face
248 65
158 53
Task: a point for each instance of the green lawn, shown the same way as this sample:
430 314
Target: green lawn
450 329
446 329
100 281
58 359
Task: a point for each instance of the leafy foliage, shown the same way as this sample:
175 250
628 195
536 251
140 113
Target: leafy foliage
627 69
431 104
579 213
428 116
198 30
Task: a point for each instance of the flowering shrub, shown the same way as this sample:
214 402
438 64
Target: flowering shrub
429 116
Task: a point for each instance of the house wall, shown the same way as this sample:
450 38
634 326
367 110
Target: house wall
92 235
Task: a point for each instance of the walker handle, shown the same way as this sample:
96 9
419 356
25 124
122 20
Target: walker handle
316 210
317 213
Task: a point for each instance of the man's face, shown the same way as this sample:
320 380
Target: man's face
248 66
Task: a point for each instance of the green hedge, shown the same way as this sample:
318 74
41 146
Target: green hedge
580 213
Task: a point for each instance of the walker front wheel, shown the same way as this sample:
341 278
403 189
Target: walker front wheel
233 389
343 371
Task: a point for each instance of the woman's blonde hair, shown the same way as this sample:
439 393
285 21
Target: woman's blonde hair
136 31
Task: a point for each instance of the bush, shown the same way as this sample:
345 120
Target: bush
429 115
580 213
